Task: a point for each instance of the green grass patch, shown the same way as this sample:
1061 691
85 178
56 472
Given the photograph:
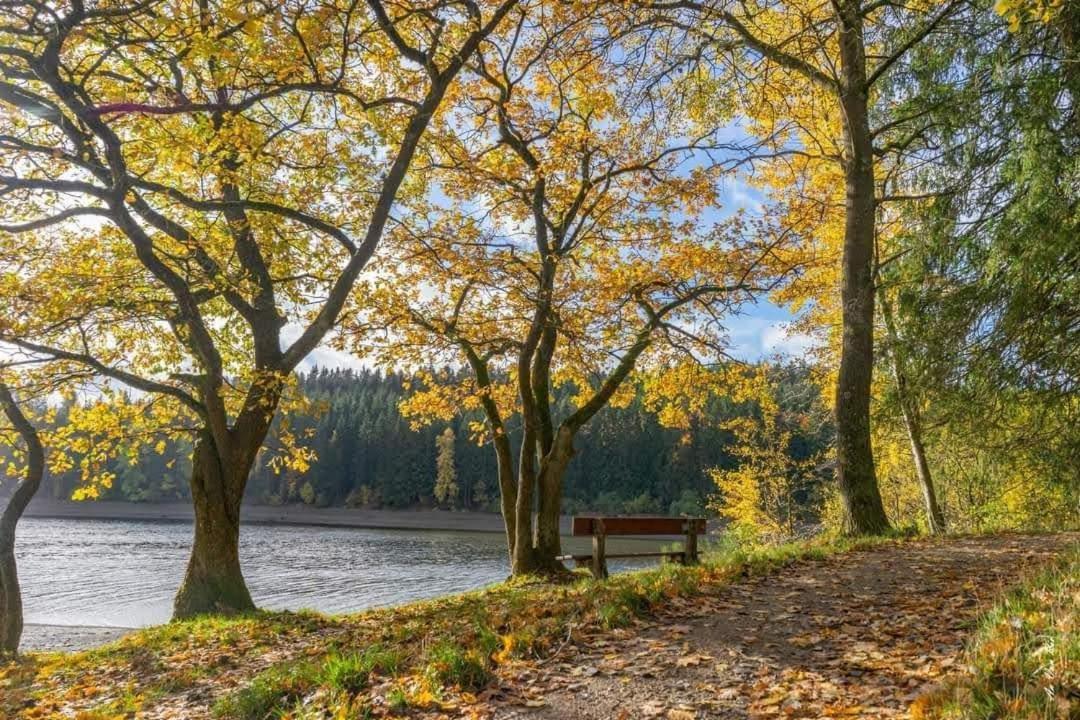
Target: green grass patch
351 672
451 664
341 677
270 691
1023 662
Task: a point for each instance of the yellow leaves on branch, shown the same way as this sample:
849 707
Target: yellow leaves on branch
1017 12
111 425
560 199
759 495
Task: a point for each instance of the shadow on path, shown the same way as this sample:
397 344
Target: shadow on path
859 635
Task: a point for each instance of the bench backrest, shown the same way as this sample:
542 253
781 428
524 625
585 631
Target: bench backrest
636 525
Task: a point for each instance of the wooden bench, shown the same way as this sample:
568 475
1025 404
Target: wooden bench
600 527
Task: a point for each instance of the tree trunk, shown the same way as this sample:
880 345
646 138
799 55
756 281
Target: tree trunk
507 491
548 542
863 509
912 422
11 611
11 615
523 561
214 582
934 517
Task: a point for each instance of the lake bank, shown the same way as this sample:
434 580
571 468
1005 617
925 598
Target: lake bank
68 638
81 572
445 520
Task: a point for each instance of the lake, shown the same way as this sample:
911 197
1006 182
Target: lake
123 573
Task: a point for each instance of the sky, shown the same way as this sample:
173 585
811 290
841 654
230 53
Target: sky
762 330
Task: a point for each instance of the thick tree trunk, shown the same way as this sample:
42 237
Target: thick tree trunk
548 544
863 509
11 609
214 582
912 423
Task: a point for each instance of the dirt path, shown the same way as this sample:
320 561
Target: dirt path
860 635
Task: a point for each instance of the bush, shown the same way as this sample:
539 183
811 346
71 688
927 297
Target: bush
307 493
642 504
688 504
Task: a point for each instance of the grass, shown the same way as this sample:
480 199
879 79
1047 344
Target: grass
1023 662
451 664
351 672
270 690
420 654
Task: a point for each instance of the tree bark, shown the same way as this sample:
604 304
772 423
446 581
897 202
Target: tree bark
523 561
507 490
913 424
11 609
214 582
863 509
547 538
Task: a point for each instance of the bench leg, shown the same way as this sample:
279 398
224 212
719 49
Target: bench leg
599 562
690 552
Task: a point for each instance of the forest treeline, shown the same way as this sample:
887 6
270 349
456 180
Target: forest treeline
363 453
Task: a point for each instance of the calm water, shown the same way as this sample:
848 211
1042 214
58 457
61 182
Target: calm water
124 572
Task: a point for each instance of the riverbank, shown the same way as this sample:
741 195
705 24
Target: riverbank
68 638
103 572
278 515
829 628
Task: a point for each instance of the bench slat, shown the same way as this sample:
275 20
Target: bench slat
581 558
639 525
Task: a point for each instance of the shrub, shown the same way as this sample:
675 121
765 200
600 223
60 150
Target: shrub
307 493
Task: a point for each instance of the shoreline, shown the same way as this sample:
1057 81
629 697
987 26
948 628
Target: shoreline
39 637
298 515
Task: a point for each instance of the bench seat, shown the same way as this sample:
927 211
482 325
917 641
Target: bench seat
599 527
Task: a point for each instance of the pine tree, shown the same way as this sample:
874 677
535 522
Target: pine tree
446 488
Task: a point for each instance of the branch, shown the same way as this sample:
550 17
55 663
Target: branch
53 219
35 466
914 40
128 378
768 50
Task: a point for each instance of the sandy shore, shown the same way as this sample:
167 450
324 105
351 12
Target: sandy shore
279 515
68 637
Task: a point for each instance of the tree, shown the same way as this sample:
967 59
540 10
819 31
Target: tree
911 414
446 488
809 78
985 245
26 486
569 251
191 192
771 492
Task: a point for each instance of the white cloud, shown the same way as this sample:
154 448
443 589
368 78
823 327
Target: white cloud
322 356
778 338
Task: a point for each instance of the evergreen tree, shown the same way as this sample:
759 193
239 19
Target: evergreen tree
446 487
